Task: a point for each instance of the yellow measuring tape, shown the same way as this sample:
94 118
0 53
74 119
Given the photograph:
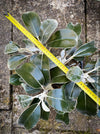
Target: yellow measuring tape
51 56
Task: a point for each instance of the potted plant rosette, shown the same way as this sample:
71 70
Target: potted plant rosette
45 84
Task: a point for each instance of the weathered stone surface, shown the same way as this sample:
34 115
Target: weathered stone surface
5 122
23 131
78 122
18 8
93 33
93 20
5 37
93 23
17 109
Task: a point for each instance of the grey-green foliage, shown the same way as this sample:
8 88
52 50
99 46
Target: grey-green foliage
32 22
85 50
47 28
76 28
31 75
25 100
57 99
30 117
64 38
86 105
11 48
15 79
15 61
74 74
47 85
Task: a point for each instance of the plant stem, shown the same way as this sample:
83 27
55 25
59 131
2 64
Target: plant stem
39 95
27 50
42 87
68 60
93 70
22 50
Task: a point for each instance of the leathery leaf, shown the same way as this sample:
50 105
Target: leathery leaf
57 99
31 75
30 116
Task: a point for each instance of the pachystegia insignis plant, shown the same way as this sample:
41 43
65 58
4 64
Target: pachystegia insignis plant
45 84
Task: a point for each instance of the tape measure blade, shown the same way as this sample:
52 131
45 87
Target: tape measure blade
89 92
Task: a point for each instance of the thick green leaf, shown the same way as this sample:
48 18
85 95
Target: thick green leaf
28 43
74 74
72 90
79 58
57 99
47 28
89 66
15 61
56 71
45 62
64 38
52 64
31 75
30 46
45 68
25 100
15 79
42 62
62 117
30 116
36 59
44 114
76 28
11 48
85 50
71 51
35 101
32 22
60 79
29 89
86 105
